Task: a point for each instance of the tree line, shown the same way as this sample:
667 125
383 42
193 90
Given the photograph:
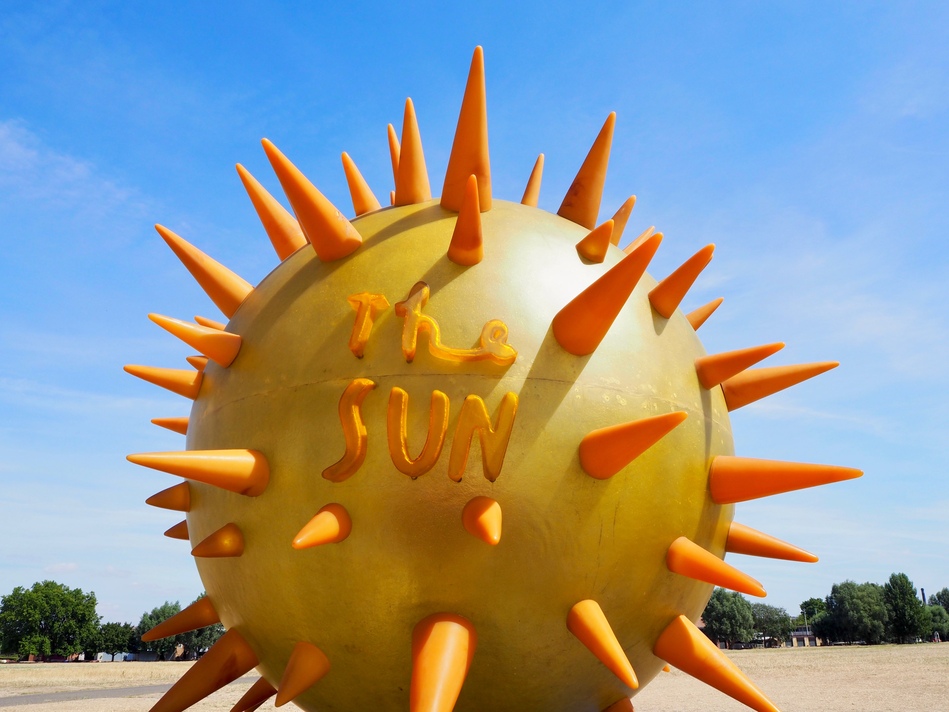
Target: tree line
852 613
50 620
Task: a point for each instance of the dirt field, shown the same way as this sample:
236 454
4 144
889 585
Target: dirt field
869 679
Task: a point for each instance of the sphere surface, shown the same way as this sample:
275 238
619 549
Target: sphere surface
566 536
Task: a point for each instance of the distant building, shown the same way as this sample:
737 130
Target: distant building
803 637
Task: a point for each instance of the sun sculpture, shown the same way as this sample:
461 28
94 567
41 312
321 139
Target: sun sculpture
347 532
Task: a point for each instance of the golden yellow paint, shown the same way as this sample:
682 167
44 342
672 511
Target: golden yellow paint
567 537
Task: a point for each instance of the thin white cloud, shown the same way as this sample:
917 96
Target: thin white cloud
61 568
24 393
777 410
34 174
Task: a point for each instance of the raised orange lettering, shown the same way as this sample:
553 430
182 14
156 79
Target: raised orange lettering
354 430
494 440
492 345
367 306
398 436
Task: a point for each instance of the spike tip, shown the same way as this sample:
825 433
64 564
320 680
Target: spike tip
606 451
306 666
587 621
443 646
581 325
331 234
739 479
469 151
581 204
686 647
228 659
241 471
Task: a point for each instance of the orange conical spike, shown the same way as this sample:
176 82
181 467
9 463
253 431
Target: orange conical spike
331 234
745 540
225 288
411 184
220 346
715 368
606 451
210 323
621 217
467 242
532 191
751 385
176 498
179 531
306 666
282 228
737 479
199 363
481 518
227 660
394 151
640 239
442 648
259 692
623 705
666 296
178 424
330 526
697 318
690 650
581 325
177 380
199 614
687 558
593 246
363 199
241 471
469 151
228 541
581 204
587 621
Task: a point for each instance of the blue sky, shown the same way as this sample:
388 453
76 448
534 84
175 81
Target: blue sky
808 141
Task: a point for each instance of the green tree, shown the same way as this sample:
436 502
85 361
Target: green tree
823 627
197 641
116 638
165 647
811 608
728 617
940 598
904 607
939 622
47 619
855 612
92 643
774 624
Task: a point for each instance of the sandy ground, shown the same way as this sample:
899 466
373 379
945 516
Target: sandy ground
869 679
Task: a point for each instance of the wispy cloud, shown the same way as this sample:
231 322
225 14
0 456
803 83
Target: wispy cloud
35 174
73 351
24 393
61 568
777 410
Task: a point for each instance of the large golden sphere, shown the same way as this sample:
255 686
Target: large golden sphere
460 453
566 536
